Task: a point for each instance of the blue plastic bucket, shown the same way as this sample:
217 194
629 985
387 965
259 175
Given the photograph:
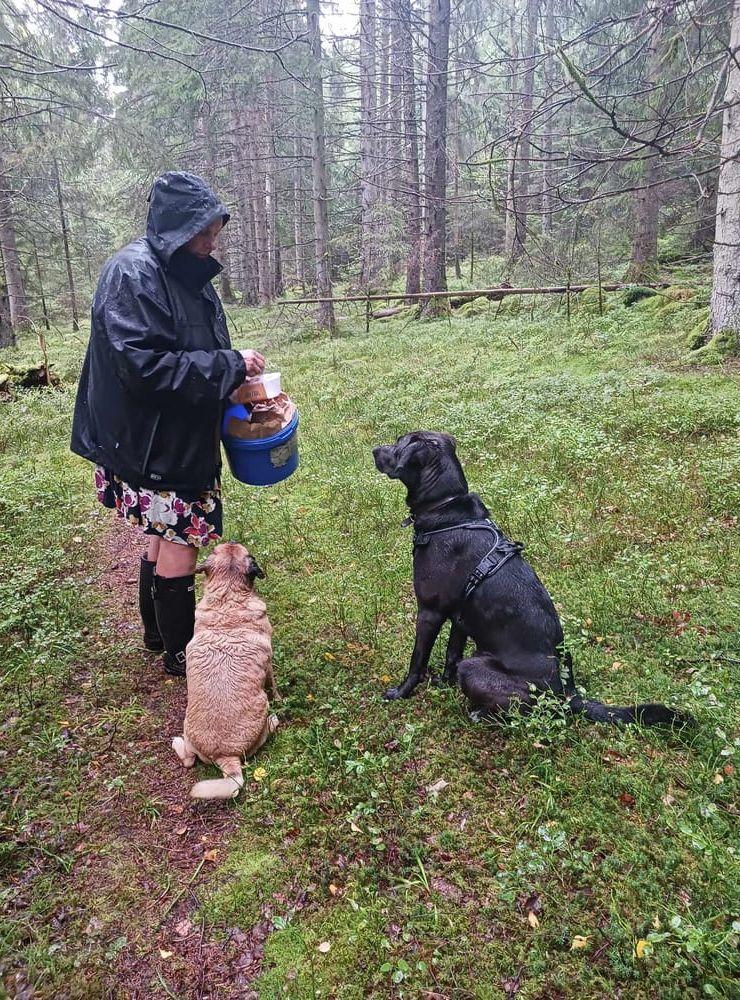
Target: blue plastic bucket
264 461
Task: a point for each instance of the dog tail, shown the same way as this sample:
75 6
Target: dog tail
227 787
646 715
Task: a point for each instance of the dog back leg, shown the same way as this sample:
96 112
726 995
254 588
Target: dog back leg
490 691
271 724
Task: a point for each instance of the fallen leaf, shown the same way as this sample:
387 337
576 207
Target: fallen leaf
532 920
579 941
324 947
182 831
329 657
354 827
718 779
626 799
77 539
385 679
728 769
656 922
309 697
165 954
668 799
183 928
177 809
642 948
333 889
211 855
437 786
259 773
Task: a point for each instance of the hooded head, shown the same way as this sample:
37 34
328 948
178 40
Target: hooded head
180 206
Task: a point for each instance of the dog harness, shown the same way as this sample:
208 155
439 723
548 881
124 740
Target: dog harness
497 556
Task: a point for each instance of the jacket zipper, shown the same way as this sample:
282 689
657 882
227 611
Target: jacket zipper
150 445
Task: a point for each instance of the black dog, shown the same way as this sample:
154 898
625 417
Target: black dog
467 571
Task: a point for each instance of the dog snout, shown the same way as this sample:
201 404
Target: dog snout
383 455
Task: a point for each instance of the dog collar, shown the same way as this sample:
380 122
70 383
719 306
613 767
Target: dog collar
429 508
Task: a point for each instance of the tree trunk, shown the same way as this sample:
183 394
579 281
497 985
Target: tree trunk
702 237
227 288
300 267
258 199
646 200
322 246
65 240
395 110
548 168
44 310
435 157
276 254
510 221
17 302
7 333
411 147
368 142
243 186
382 110
725 304
518 180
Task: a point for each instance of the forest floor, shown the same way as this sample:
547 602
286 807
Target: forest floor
392 850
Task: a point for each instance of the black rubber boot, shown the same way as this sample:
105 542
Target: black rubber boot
174 603
152 638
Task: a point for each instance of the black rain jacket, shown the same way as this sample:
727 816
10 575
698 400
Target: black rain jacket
159 364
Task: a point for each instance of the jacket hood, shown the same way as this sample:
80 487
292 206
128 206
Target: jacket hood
180 205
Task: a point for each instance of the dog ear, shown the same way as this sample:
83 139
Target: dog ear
254 570
450 438
204 567
410 454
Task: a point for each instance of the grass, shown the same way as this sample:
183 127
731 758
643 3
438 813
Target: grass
435 857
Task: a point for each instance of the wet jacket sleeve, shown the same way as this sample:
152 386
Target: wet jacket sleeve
141 332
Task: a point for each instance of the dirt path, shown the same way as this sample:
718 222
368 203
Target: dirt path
147 853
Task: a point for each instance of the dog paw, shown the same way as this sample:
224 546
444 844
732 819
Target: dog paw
394 694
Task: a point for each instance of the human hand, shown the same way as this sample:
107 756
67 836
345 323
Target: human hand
254 361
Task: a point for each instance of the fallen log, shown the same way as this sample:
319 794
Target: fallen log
493 293
385 313
14 377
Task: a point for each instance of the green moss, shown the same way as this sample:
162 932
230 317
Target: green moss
475 307
723 345
250 877
636 293
679 293
351 967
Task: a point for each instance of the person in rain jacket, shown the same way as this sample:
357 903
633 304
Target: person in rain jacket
158 370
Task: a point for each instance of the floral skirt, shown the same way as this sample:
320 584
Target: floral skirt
196 522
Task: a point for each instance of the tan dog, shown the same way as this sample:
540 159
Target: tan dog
229 673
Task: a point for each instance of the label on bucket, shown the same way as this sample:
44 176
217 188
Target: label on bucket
279 456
